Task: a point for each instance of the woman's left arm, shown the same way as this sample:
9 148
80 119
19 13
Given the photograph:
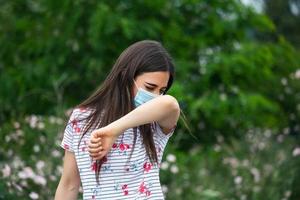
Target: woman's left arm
164 109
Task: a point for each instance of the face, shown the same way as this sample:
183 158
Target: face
154 82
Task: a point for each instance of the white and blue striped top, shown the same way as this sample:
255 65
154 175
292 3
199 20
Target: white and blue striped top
119 178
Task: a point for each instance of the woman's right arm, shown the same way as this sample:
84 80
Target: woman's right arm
69 183
164 110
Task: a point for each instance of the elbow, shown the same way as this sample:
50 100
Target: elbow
172 104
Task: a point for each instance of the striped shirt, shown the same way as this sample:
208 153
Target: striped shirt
120 178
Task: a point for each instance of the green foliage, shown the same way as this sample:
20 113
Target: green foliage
61 51
260 166
233 74
31 161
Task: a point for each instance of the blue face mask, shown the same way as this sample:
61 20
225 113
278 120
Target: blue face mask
142 96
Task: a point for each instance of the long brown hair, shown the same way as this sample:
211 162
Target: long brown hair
114 98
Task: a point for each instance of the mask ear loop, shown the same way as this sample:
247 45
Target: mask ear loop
145 90
135 84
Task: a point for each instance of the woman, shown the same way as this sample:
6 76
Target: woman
125 124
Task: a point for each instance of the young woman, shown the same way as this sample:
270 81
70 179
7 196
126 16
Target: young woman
114 140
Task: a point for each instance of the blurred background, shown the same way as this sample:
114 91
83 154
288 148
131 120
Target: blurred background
237 81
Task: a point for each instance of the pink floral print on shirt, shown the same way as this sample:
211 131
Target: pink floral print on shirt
147 166
75 126
143 189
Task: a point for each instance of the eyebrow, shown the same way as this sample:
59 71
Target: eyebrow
154 85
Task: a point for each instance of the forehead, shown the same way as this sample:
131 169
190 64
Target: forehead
158 78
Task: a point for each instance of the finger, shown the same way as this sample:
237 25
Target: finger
95 150
98 134
98 154
94 134
95 145
95 140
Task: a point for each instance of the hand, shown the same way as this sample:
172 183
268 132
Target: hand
101 142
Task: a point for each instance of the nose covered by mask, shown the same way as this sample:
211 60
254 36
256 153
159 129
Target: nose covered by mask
142 96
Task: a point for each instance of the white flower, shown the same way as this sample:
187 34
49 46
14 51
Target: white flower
32 120
24 183
55 153
19 133
233 162
283 81
40 165
52 119
238 180
217 148
220 138
164 189
59 169
297 74
268 133
40 180
6 171
55 120
17 125
17 162
245 163
22 175
33 195
296 151
40 125
164 165
52 178
288 193
18 187
261 145
256 189
280 138
286 131
171 158
7 138
43 139
36 148
223 97
256 174
174 169
27 172
9 153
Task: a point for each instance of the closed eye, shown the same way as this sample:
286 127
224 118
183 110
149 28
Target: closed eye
150 88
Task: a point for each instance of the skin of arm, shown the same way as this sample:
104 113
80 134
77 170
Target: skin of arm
69 183
164 110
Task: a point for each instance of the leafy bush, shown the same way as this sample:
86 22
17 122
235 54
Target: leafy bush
234 74
260 165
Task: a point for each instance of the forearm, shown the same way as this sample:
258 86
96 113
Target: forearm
163 109
69 182
64 192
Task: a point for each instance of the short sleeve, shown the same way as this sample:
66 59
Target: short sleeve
160 132
67 141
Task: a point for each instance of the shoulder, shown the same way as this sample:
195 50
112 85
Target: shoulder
80 113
